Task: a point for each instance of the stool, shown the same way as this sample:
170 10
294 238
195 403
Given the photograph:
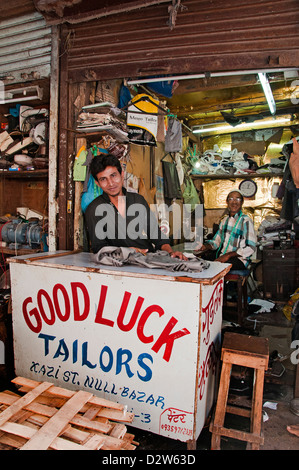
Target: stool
240 277
248 351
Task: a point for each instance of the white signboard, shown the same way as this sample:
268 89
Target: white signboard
149 344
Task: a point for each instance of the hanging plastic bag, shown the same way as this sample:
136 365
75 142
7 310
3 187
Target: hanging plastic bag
190 194
79 170
93 191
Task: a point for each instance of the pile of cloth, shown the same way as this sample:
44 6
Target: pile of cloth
272 228
121 256
226 162
232 162
103 118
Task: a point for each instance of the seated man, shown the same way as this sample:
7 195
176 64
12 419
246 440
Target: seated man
120 218
235 240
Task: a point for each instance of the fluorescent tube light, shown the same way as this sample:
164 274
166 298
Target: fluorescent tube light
240 126
268 92
137 81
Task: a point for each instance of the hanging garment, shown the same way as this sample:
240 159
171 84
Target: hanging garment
294 167
89 157
79 170
172 187
190 195
164 88
92 192
173 137
290 201
121 256
179 167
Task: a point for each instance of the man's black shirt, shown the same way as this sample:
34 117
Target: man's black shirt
106 227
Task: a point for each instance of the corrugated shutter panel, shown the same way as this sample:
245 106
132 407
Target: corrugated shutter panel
25 48
208 36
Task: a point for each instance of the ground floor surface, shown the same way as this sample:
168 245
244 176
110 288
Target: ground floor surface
278 396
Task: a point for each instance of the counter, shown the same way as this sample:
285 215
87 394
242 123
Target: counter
146 338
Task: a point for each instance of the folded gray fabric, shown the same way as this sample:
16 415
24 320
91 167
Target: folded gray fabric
113 256
121 256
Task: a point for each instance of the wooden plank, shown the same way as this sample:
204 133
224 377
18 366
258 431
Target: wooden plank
53 141
95 442
111 443
55 425
89 424
116 415
30 422
76 435
83 421
33 407
91 412
118 431
64 393
23 401
18 430
28 433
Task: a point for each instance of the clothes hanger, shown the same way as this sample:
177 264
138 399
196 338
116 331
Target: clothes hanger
144 98
169 153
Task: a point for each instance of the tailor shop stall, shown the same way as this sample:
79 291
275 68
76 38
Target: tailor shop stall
146 338
149 339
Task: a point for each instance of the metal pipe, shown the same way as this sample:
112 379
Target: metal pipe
207 75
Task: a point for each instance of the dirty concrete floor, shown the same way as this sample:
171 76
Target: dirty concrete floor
276 435
278 391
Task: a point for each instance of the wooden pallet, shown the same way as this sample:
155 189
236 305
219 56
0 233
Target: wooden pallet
50 417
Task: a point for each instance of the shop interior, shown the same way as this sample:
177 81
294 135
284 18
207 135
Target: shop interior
228 135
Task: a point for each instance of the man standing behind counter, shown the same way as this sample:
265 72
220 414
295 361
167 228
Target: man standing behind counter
120 218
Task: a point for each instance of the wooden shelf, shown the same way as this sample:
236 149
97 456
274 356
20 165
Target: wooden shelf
24 174
234 177
5 250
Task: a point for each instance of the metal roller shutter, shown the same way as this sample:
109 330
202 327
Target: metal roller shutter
208 36
25 49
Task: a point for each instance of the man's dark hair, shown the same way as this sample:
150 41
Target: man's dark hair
101 162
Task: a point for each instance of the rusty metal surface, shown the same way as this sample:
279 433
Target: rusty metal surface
25 44
16 8
208 36
78 11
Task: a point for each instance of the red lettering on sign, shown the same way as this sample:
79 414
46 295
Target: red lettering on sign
168 338
209 363
144 317
176 416
40 295
32 313
77 315
67 304
123 310
62 304
99 315
211 310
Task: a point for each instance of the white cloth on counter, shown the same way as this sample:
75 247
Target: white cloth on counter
121 256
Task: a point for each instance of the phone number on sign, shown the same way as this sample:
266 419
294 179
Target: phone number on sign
176 429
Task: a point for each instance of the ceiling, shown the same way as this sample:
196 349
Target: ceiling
229 100
223 100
